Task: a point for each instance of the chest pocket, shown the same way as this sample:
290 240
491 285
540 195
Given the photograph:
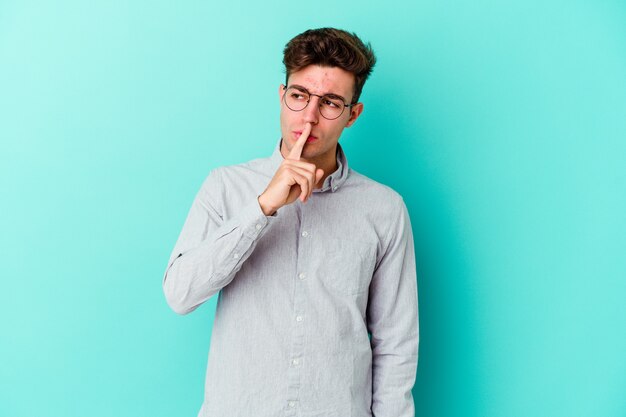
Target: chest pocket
347 266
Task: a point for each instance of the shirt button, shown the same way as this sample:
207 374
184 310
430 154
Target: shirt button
302 275
295 361
236 256
335 188
258 227
299 318
292 404
305 233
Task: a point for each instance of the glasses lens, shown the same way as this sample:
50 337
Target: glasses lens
331 108
296 99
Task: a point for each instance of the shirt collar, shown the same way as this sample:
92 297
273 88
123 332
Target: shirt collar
333 182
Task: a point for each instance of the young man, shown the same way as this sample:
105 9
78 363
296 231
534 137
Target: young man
313 262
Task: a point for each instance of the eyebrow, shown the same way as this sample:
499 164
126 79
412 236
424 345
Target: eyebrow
329 95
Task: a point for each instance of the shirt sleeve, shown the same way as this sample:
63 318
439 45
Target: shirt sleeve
392 317
210 250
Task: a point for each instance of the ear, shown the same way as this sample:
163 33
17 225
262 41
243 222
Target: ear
281 91
355 112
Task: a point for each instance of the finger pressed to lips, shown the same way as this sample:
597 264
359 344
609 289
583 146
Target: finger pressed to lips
298 133
296 151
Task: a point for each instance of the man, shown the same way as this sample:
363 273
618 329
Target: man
313 262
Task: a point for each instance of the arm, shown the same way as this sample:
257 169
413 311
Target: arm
210 250
393 323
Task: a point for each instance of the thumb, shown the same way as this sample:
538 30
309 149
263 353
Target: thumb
319 173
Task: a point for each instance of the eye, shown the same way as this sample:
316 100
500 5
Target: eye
330 103
298 96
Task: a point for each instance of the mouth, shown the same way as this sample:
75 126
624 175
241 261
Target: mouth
311 138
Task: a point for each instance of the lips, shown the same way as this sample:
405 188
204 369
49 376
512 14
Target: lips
309 139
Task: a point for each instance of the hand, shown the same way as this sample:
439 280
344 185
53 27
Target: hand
293 178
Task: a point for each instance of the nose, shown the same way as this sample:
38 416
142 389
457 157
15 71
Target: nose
312 110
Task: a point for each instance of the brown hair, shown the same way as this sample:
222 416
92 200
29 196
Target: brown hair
331 48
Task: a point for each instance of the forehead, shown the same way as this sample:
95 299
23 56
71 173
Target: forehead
324 80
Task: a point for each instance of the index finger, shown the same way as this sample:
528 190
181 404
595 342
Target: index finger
296 151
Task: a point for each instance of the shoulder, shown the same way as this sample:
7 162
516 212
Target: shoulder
381 195
258 166
381 209
252 170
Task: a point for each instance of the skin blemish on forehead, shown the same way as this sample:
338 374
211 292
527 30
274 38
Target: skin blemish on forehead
324 86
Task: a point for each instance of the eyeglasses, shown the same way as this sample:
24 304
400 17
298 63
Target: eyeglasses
331 107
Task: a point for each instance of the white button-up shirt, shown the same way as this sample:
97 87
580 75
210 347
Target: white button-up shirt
341 343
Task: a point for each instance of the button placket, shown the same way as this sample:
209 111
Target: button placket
299 324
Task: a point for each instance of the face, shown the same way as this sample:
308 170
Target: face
322 143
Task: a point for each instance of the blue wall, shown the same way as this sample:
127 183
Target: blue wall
502 124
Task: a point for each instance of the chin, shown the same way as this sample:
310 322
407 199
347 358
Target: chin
308 155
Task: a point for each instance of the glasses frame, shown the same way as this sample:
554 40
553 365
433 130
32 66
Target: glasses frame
309 100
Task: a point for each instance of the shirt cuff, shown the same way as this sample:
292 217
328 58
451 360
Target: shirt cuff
254 222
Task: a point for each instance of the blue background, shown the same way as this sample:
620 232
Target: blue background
503 124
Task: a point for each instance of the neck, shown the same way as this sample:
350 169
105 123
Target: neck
328 166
